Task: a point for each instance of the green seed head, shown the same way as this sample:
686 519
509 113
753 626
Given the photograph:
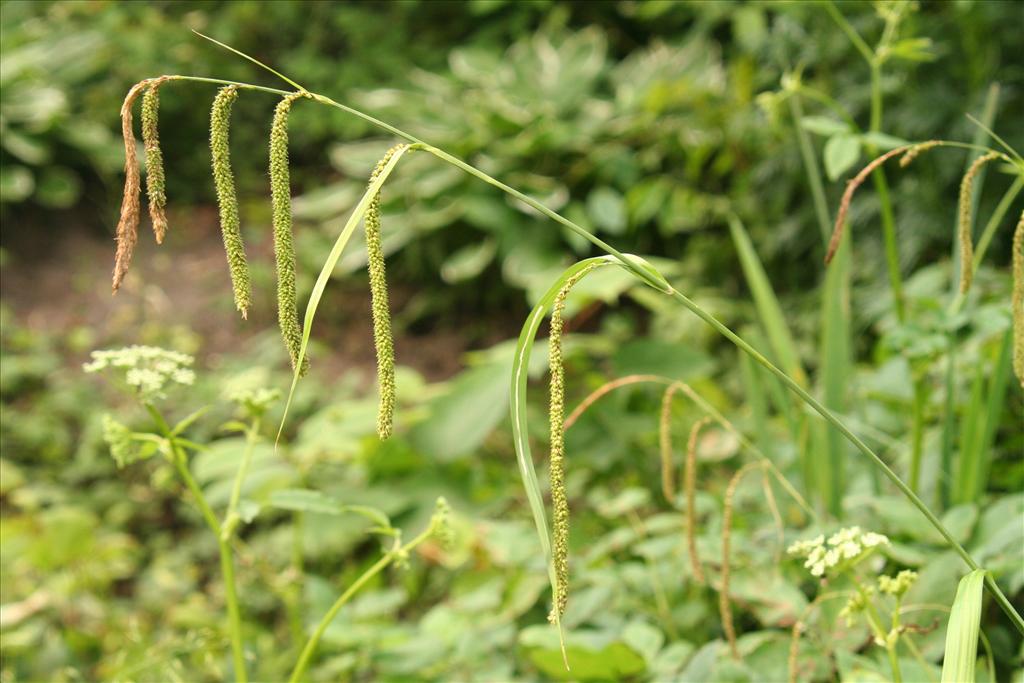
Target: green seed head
382 338
284 247
155 187
227 201
556 413
964 224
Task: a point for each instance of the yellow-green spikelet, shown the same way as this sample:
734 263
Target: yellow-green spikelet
155 183
284 247
556 415
227 201
382 338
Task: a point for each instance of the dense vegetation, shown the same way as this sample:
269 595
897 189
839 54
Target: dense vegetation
714 140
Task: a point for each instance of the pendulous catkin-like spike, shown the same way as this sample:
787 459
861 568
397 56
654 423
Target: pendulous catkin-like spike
284 247
227 201
155 187
668 480
724 603
1017 301
556 413
690 486
851 187
965 228
383 340
128 225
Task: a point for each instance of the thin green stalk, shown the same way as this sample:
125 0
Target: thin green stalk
252 435
917 433
396 551
653 279
226 558
227 569
811 168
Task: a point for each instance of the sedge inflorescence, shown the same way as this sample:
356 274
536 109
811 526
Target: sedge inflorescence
556 415
234 247
382 338
843 548
155 186
227 201
284 246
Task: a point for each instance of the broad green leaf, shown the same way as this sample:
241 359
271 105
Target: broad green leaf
841 153
823 125
607 209
460 419
960 659
469 261
309 500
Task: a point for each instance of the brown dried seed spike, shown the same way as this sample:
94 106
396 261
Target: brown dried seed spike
851 187
128 225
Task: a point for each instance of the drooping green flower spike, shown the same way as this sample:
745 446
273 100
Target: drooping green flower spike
383 340
227 201
556 414
284 246
155 184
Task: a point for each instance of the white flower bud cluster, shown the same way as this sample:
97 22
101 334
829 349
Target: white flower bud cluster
848 544
148 369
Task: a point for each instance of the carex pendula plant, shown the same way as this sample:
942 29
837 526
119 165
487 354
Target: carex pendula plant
296 333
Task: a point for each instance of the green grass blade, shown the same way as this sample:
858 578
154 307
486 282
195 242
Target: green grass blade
328 268
835 372
960 660
768 309
984 418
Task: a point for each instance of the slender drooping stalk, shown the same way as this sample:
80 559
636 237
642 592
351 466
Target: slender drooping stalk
383 341
724 602
668 476
690 486
227 201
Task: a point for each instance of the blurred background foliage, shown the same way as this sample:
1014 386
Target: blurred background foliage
645 122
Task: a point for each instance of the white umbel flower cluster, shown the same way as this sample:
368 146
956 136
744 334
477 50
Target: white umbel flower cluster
846 545
147 369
